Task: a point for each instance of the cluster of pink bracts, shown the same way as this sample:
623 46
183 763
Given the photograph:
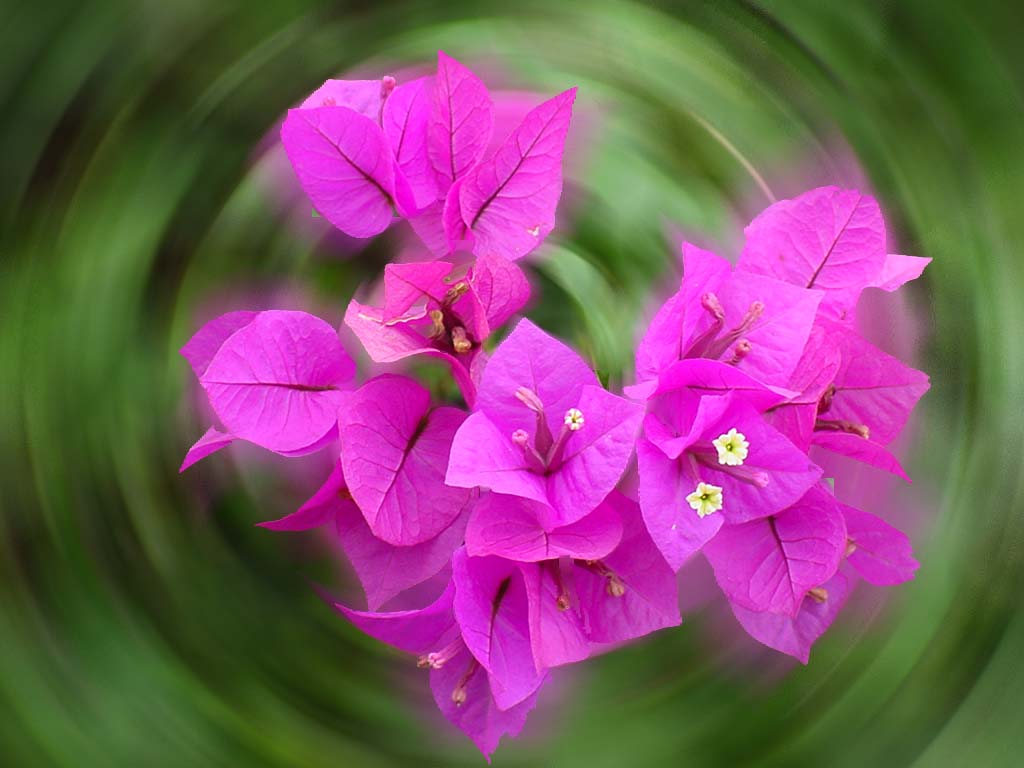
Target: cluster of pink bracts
742 379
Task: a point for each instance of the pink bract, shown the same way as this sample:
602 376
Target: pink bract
429 311
404 120
509 201
830 239
384 570
791 635
580 606
460 122
278 380
344 165
772 563
510 527
394 448
757 324
519 441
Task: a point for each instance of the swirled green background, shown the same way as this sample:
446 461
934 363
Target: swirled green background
144 621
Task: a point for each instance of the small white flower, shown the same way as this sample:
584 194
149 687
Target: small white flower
574 419
705 499
732 448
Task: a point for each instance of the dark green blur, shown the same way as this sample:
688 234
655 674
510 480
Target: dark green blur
144 621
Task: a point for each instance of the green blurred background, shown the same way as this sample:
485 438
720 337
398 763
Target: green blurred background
145 622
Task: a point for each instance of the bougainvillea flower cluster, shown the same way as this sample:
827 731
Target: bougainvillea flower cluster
516 494
365 151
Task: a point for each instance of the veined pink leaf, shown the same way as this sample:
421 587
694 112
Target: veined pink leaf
557 635
492 611
651 598
871 388
509 201
209 443
277 382
794 636
345 167
405 119
829 238
501 287
394 450
461 121
770 564
510 527
897 270
362 96
880 553
410 285
860 449
200 349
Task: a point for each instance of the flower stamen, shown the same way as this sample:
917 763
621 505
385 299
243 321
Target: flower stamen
572 422
841 425
740 351
437 330
454 293
459 693
826 398
718 348
564 599
460 342
438 659
614 585
533 459
543 439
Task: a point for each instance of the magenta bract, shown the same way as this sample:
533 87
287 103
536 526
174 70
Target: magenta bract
772 563
510 527
429 311
275 379
756 324
544 429
344 165
791 635
524 504
579 606
368 151
460 123
384 570
830 239
678 454
508 202
394 448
